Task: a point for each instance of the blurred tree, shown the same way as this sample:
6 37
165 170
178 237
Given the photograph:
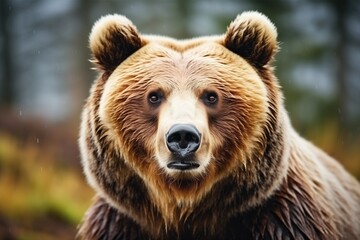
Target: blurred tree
7 80
340 10
81 76
184 11
346 11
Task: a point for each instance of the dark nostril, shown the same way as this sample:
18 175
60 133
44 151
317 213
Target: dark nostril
183 139
190 137
175 137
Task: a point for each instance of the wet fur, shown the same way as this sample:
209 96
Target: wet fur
265 182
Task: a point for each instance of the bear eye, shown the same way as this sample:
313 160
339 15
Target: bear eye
210 98
155 97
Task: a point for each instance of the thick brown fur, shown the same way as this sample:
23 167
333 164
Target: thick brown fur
257 179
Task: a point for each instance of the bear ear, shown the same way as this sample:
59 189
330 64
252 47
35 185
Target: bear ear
113 38
252 36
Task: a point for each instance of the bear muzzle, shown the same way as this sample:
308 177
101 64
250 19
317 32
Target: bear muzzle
183 140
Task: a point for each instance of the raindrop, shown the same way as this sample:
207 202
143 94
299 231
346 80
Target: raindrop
37 140
20 113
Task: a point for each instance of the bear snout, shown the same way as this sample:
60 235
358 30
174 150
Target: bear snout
183 140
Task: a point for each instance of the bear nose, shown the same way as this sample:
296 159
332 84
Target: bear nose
183 139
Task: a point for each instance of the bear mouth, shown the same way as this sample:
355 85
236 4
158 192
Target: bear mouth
183 165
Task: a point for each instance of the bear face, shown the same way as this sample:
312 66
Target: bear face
213 89
179 89
189 139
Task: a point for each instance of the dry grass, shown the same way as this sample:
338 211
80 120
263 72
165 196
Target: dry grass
38 192
333 141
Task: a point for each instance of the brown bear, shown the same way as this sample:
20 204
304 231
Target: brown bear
189 139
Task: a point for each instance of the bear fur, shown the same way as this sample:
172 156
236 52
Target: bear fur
248 174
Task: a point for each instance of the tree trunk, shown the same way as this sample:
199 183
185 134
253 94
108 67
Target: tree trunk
7 86
340 9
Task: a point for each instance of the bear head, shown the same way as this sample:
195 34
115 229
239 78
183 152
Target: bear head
168 120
